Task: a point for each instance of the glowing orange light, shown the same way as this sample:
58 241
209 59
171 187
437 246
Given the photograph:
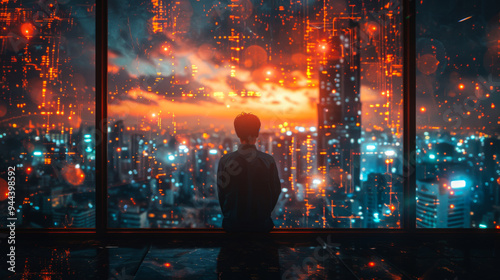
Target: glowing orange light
118 149
268 72
422 109
374 28
492 105
27 29
498 226
461 86
4 188
452 206
167 264
165 48
371 264
393 207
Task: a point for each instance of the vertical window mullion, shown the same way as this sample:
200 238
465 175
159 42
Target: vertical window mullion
409 130
101 115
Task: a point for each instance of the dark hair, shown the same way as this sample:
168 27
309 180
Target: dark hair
246 125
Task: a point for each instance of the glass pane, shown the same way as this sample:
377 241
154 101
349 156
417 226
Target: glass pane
324 77
458 126
47 113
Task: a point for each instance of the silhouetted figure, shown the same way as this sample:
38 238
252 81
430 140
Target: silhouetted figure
248 257
247 181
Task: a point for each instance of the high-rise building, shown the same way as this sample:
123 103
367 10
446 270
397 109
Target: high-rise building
443 203
135 217
339 107
116 142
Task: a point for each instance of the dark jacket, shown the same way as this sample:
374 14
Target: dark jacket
248 187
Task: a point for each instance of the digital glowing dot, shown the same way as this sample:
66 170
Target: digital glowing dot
422 109
153 115
374 28
461 86
371 264
452 206
165 48
268 72
167 264
27 29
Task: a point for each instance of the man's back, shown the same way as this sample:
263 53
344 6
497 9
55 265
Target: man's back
248 188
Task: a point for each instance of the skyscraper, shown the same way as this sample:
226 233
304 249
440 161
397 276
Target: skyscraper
339 107
443 203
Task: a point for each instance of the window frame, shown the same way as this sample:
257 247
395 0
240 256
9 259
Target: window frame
407 220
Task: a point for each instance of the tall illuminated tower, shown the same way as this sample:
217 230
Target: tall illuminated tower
339 107
443 203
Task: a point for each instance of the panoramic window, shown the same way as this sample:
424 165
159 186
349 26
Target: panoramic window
324 77
458 126
47 121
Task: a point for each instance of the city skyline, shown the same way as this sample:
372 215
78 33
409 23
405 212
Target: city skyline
325 77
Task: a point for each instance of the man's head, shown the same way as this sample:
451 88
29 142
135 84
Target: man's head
247 126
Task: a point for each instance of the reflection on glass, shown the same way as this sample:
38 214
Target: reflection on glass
324 77
47 112
458 126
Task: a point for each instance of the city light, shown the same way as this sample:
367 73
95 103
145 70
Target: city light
390 153
457 184
27 29
371 147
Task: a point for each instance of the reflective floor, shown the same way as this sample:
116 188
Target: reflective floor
250 257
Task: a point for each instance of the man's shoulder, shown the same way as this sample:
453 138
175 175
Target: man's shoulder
227 156
249 155
266 156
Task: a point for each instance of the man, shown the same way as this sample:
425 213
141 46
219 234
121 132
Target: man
247 181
